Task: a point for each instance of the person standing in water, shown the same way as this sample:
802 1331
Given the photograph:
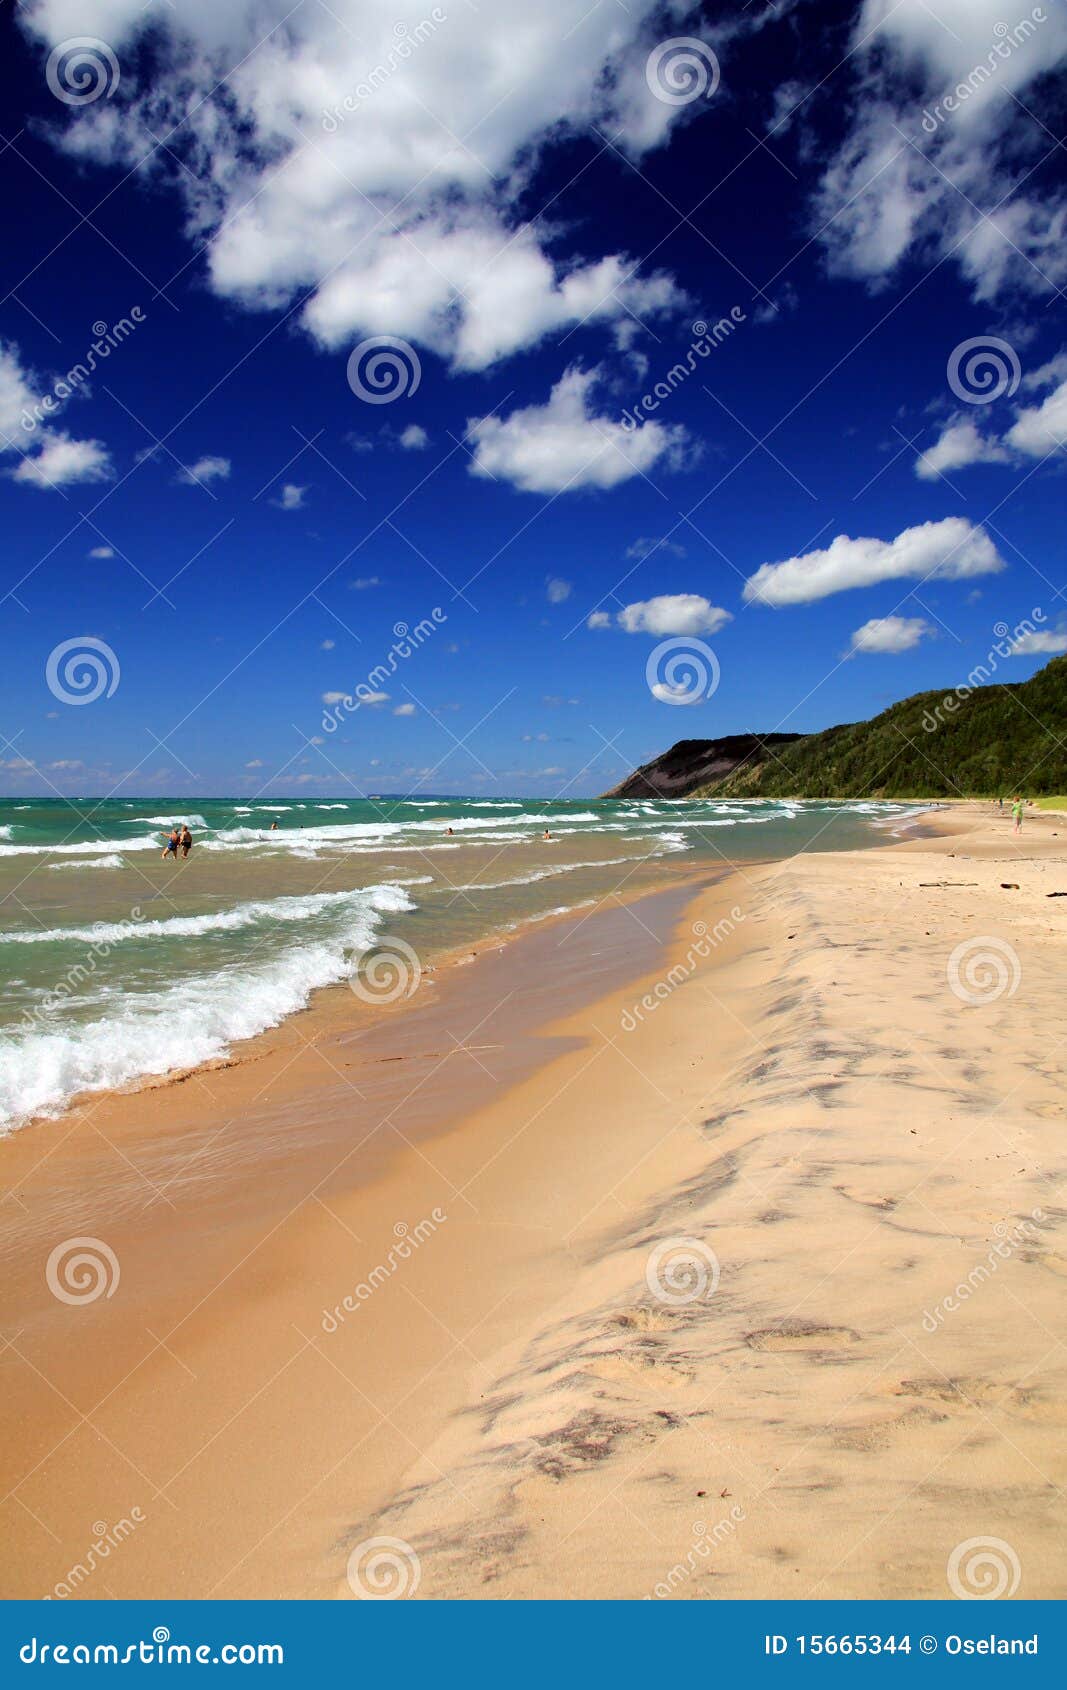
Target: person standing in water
186 839
170 849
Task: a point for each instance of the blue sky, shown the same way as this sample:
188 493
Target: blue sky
544 211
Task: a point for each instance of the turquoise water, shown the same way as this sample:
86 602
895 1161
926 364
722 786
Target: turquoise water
117 965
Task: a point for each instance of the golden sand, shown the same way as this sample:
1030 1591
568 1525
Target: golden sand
728 1266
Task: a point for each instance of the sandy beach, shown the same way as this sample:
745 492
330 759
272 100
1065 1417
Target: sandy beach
707 1244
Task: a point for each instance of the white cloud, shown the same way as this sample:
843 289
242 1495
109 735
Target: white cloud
1041 429
256 763
63 462
363 582
936 139
362 696
557 590
1046 375
17 397
644 547
206 469
404 710
1037 432
961 442
673 613
102 551
414 438
1050 643
49 458
599 619
291 497
890 633
949 550
564 444
327 645
318 159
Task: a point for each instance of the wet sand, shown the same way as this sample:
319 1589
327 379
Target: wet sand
674 1317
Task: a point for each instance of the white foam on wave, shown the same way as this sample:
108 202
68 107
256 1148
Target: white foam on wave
261 910
5 831
155 1034
379 830
87 848
566 868
111 860
189 817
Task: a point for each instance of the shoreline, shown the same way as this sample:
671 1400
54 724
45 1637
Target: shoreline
331 1004
377 1422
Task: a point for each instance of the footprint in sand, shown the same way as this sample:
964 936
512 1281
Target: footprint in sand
1047 1259
988 1394
869 1199
808 1339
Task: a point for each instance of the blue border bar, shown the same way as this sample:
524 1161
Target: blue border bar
511 1645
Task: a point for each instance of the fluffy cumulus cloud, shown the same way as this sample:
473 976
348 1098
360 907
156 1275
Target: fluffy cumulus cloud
206 469
62 462
937 138
376 157
290 498
950 550
1039 430
890 634
48 458
960 443
557 591
672 613
565 445
1049 643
